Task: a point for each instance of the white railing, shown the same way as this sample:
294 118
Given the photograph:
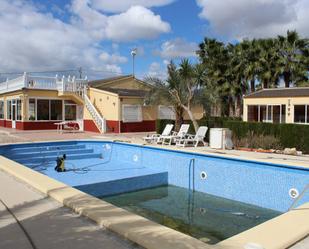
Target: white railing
40 82
72 85
98 119
65 84
12 85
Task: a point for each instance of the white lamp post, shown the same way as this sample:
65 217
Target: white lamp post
134 53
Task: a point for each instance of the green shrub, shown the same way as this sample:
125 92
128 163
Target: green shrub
255 141
288 135
161 123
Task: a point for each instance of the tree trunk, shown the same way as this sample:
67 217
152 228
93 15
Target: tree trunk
287 79
195 124
179 117
252 85
231 108
265 84
238 107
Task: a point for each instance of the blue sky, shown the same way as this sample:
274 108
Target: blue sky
98 35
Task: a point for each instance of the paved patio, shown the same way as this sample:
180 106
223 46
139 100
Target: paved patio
65 229
48 223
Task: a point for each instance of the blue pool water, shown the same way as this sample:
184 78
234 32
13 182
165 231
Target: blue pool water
110 168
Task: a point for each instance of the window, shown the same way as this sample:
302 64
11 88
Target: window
262 113
300 112
45 109
166 112
131 113
276 114
56 109
42 109
31 109
9 109
18 109
269 113
70 112
253 113
1 109
266 113
283 114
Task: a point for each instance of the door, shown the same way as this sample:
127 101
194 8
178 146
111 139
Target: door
14 114
80 117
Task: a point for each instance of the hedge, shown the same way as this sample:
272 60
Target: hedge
289 135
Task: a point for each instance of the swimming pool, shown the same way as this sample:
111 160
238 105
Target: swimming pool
109 168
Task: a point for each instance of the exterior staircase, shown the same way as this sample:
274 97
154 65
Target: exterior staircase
96 116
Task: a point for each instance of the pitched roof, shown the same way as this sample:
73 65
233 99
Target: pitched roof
104 82
280 92
126 92
101 82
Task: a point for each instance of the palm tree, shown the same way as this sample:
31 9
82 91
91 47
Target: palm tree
293 53
248 53
181 89
268 69
190 77
160 93
215 58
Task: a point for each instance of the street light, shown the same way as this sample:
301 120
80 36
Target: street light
134 53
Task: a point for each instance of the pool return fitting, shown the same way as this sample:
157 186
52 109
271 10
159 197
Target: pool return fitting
299 197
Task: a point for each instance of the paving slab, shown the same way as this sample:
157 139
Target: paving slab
49 225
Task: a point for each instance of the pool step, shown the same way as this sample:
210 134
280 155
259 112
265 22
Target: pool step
44 148
46 153
54 158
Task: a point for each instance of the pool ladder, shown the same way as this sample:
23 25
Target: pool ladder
299 197
191 175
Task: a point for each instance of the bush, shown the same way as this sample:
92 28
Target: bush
161 123
257 141
287 135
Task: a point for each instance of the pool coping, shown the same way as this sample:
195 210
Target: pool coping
280 232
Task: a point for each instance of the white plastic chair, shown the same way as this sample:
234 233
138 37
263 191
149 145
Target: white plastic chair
168 140
154 137
194 139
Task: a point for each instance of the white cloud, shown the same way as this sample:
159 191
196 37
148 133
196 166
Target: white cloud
177 48
157 71
32 40
113 58
255 18
136 23
122 5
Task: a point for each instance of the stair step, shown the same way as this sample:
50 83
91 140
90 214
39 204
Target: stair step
50 153
44 148
54 158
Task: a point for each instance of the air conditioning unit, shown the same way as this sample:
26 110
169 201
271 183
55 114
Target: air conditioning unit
220 138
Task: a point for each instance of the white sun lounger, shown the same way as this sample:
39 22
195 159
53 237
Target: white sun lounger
154 137
194 140
184 128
